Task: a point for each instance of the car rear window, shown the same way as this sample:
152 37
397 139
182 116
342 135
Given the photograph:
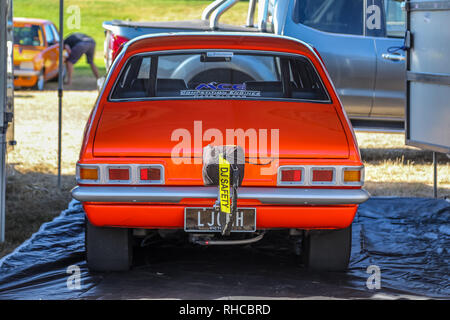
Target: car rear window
219 75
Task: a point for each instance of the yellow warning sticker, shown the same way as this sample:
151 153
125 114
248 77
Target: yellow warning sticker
224 185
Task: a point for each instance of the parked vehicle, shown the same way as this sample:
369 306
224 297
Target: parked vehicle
169 98
359 41
36 58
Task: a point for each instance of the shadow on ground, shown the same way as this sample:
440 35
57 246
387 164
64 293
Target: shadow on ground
32 198
404 155
404 189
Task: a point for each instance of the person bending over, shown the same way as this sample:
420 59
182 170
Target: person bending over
76 45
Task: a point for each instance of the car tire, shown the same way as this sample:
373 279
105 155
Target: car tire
40 83
108 249
56 78
327 250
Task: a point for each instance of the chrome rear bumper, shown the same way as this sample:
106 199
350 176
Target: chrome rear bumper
25 73
266 195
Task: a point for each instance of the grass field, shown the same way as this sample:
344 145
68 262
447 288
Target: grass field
94 12
392 169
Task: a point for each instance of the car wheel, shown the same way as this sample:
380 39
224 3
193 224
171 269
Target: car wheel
56 78
40 83
327 250
108 249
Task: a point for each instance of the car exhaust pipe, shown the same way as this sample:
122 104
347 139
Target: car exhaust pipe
207 242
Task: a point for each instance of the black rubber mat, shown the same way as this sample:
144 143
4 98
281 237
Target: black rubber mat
407 239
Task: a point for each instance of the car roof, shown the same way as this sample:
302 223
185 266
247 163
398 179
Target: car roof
31 20
223 40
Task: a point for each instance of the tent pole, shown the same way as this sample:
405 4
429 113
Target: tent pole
60 86
435 191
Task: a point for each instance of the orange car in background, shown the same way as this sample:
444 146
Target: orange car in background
223 137
36 52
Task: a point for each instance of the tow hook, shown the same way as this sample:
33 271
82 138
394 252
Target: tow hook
223 166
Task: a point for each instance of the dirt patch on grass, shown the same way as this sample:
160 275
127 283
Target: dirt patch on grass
31 199
32 196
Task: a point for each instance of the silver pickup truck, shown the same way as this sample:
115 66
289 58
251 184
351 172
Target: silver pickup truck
360 42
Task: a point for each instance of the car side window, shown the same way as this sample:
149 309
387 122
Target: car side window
395 18
336 16
49 35
55 33
135 79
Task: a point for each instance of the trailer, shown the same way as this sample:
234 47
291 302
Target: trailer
6 98
427 43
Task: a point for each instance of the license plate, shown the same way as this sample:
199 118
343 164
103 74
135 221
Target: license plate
209 220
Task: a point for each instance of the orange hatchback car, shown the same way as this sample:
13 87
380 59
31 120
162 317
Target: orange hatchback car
221 137
36 47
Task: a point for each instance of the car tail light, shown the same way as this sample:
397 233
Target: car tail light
88 174
150 174
26 65
123 174
291 175
119 174
322 175
353 176
115 44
